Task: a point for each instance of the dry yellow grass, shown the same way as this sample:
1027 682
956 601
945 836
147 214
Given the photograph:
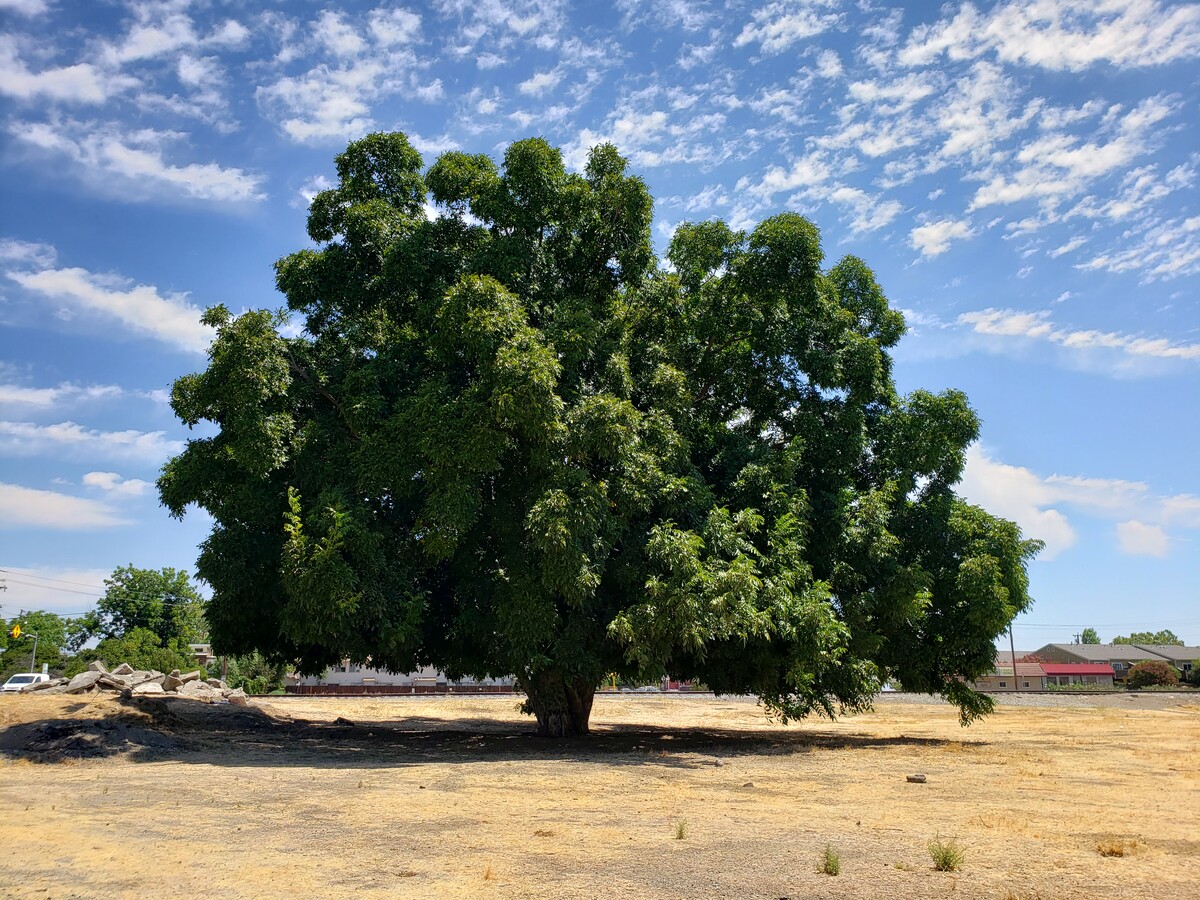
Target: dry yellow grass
452 797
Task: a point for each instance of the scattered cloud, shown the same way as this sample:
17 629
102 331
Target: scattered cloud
27 438
81 83
934 238
1062 35
137 160
115 486
1016 493
540 83
1037 327
778 26
1037 504
1139 539
140 308
26 7
22 507
27 253
15 395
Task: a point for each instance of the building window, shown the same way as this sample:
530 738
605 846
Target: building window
1004 684
1026 684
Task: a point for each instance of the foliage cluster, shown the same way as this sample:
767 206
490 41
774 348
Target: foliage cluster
1152 672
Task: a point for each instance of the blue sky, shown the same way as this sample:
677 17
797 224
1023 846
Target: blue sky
1022 177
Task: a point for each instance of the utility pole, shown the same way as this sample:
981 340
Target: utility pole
1013 650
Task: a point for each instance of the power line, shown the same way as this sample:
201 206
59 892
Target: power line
47 578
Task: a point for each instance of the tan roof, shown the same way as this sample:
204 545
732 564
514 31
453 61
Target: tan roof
1103 652
1173 651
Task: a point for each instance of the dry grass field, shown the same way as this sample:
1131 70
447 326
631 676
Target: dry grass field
689 797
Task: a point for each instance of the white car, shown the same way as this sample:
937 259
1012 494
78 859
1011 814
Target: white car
23 680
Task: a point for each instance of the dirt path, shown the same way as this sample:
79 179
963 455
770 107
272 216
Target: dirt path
453 797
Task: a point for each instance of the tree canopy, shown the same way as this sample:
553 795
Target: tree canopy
163 602
1165 637
509 441
54 635
1090 636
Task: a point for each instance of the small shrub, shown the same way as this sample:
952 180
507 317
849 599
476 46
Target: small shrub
1152 672
831 864
947 855
680 829
1116 847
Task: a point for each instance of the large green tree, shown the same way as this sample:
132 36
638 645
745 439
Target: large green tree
509 442
161 601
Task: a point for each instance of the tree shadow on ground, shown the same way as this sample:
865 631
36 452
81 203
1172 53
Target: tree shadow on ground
180 730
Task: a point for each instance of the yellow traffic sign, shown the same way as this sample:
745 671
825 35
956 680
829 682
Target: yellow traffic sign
16 631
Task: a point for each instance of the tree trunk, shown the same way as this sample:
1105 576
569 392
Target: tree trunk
562 706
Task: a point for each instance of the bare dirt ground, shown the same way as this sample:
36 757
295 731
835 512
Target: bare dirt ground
690 797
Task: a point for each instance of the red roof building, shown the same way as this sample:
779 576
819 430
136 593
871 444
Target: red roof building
1077 669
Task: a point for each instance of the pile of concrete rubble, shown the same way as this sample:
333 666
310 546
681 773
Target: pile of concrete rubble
131 682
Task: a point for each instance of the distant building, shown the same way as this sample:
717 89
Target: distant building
1182 658
1091 674
1122 657
353 678
1007 677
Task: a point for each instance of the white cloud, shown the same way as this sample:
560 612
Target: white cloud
501 21
1037 327
137 159
805 172
1073 244
337 35
22 507
1139 539
686 14
25 7
1160 250
540 83
27 438
114 485
934 238
777 26
140 308
27 253
1060 165
79 83
1062 35
46 398
309 189
868 212
394 26
1034 502
1016 493
829 64
432 146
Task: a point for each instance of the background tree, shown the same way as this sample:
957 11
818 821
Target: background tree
1090 636
1152 672
1166 637
54 636
507 442
163 602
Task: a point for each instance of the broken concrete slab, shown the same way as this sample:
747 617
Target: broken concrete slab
82 682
